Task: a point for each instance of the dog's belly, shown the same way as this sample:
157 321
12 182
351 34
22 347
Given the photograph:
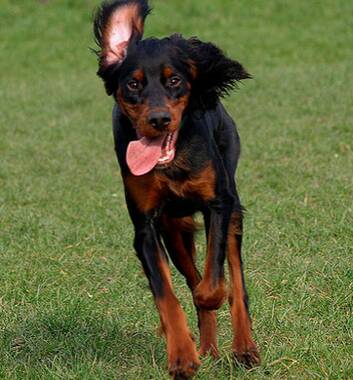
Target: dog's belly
179 208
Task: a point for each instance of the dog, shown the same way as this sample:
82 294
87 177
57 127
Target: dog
178 149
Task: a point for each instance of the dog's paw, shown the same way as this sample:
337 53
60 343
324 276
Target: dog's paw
208 297
184 362
209 350
183 372
249 357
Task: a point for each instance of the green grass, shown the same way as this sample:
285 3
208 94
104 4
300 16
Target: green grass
73 301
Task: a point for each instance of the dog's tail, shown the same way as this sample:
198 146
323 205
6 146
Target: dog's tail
116 25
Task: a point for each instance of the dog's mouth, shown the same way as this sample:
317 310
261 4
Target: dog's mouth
145 154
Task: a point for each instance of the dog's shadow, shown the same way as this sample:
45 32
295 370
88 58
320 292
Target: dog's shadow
72 338
52 338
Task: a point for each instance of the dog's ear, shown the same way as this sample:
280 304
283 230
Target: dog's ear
117 24
214 74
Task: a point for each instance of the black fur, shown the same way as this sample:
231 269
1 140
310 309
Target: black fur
217 74
109 73
207 139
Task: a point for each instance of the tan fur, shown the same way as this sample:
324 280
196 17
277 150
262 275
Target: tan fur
148 190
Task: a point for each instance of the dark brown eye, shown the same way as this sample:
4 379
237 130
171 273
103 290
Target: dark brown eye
174 81
133 85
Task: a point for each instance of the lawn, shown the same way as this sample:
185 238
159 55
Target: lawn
74 303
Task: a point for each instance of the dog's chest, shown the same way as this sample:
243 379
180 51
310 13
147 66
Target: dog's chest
152 190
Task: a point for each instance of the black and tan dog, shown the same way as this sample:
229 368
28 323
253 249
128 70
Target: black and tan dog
178 150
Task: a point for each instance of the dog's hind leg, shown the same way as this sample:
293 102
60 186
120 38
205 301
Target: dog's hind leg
244 348
178 236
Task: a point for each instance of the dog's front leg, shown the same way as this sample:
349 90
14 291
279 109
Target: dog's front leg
183 358
211 291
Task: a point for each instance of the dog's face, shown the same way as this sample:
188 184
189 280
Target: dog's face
153 87
155 80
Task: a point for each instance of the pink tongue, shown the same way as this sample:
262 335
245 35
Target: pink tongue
143 155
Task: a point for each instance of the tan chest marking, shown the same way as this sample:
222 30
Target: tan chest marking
148 191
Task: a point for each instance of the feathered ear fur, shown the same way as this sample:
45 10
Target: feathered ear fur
116 25
214 74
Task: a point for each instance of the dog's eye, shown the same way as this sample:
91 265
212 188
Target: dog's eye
133 85
174 81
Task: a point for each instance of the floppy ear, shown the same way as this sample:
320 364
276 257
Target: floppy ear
116 24
214 74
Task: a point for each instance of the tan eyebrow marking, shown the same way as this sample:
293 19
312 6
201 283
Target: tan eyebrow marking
167 72
138 74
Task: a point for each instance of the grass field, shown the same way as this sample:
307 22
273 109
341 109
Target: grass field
73 301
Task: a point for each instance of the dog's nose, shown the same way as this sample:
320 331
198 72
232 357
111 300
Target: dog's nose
159 120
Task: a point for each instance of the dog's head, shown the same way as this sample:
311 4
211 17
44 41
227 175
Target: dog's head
155 80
